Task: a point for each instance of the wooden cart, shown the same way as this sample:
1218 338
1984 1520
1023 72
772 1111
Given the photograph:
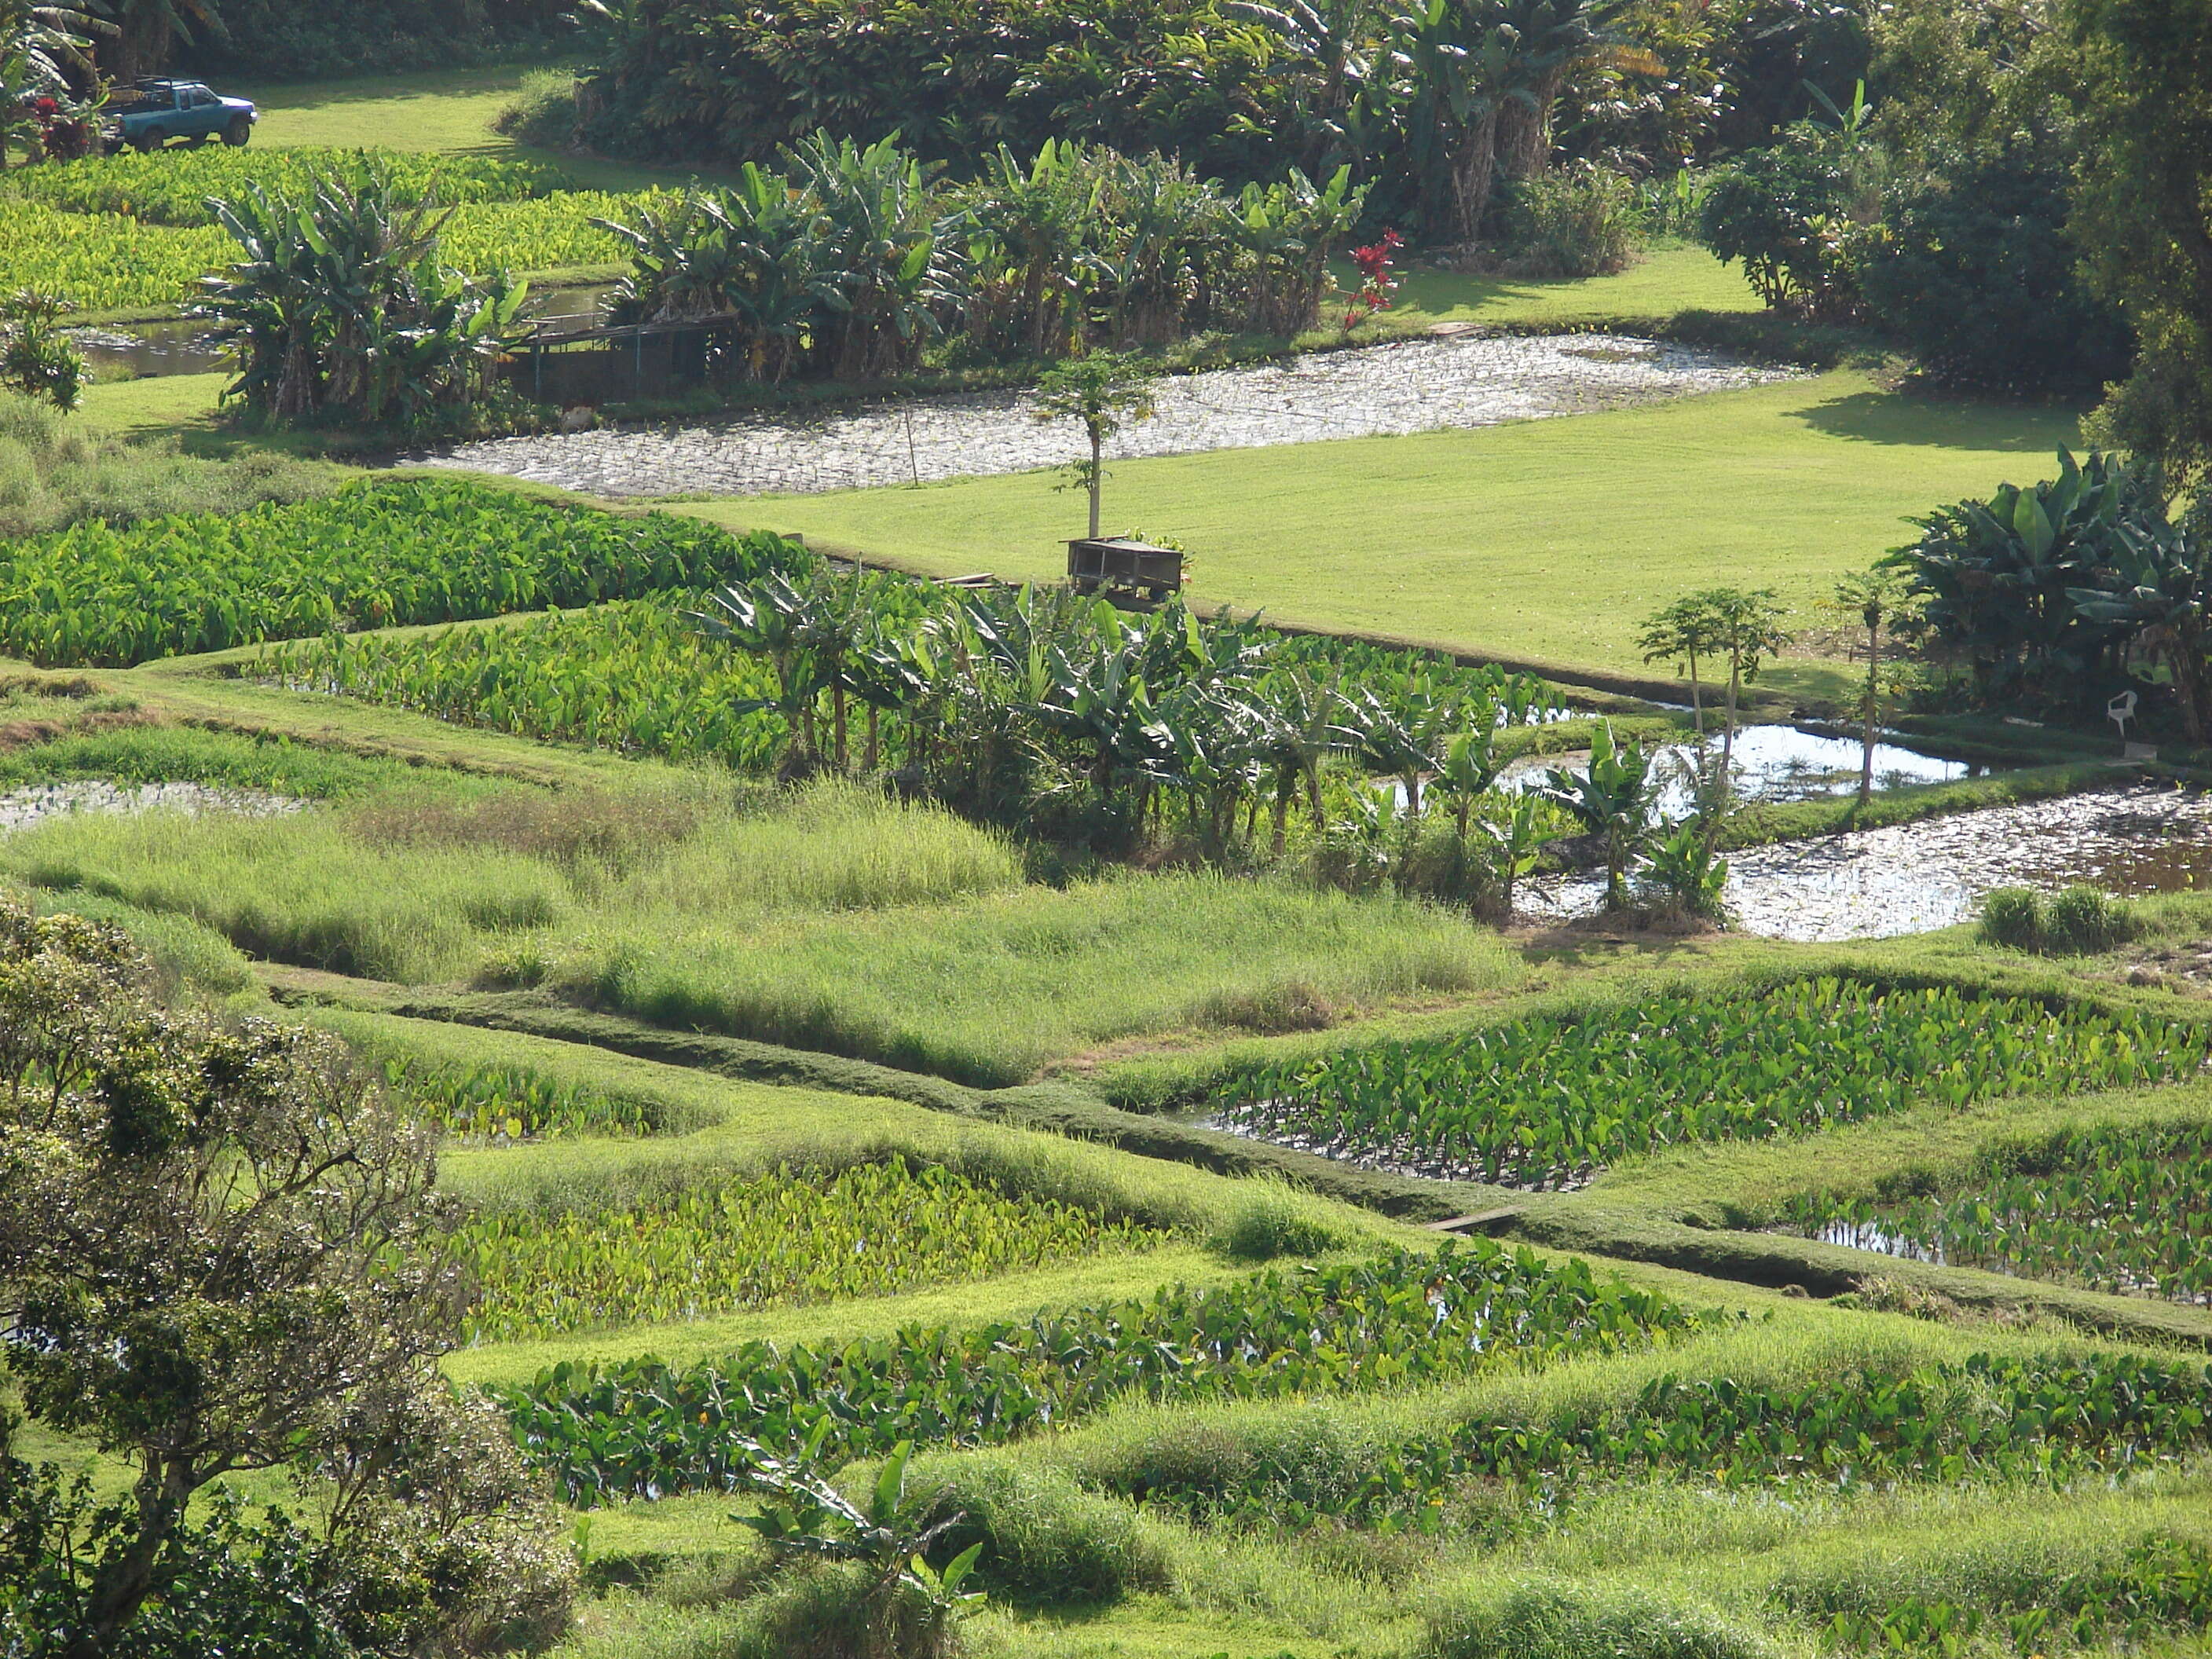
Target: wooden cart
1124 570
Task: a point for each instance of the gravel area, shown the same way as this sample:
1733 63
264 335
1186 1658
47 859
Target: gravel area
1915 877
1414 386
20 808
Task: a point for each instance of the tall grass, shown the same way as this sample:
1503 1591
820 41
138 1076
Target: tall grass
832 919
986 992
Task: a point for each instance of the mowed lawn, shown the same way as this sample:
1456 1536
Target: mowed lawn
1672 278
450 113
1544 541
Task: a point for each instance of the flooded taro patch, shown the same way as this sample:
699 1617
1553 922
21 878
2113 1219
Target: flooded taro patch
2120 1208
1915 877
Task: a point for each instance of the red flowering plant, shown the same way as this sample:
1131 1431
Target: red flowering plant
1377 279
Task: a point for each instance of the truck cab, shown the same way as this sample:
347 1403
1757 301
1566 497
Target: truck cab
153 112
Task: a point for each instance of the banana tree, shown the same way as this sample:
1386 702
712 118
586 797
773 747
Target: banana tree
1042 217
1614 799
40 44
1294 731
1470 766
1402 740
764 618
1287 230
894 252
1997 575
2158 587
1516 833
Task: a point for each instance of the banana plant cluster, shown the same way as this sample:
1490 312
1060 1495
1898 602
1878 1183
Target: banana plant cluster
340 306
849 260
2054 593
1039 705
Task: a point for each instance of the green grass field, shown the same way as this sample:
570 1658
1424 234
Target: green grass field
1542 542
451 111
1671 278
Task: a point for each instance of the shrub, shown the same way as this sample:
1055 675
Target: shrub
2085 920
2078 921
1975 274
2012 917
1578 222
1558 1620
1044 1538
543 112
1273 1218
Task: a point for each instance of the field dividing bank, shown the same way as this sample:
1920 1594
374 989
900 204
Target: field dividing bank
1542 543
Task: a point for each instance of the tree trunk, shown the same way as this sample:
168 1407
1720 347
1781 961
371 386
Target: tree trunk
1524 129
1872 709
1313 799
1466 184
123 1583
1286 782
875 738
1696 703
1097 461
837 720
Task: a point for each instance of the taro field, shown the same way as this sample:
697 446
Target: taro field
1542 1103
2127 1210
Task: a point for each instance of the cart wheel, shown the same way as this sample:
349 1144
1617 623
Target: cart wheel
238 132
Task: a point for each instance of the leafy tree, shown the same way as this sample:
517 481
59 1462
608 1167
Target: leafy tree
1789 212
148 30
2143 212
1687 632
1747 629
1104 390
1345 48
1975 272
36 357
217 1255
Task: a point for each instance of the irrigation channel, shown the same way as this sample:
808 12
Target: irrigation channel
1409 386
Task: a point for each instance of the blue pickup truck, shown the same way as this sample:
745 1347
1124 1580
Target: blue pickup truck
153 112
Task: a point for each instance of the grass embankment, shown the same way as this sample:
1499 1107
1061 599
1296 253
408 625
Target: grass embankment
1543 543
833 920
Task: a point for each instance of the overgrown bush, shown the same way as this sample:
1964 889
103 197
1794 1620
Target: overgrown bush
54 472
1558 1620
1044 1538
1974 272
1576 221
1273 1218
2077 921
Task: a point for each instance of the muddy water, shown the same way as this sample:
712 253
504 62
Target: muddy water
21 808
185 346
1912 879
